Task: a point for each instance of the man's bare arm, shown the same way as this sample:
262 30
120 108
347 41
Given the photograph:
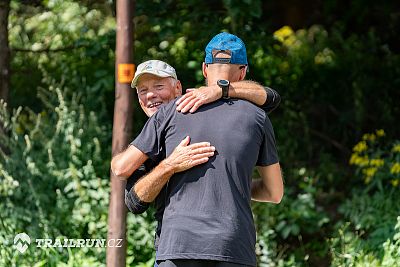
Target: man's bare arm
126 162
247 90
184 157
270 187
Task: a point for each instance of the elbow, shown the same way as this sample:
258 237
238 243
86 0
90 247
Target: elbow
274 196
276 199
117 168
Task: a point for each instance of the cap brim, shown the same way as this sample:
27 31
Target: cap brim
158 74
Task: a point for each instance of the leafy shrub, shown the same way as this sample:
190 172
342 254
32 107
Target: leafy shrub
54 173
54 183
370 237
377 161
282 228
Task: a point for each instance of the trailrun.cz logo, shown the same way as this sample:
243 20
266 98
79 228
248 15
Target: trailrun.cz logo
22 241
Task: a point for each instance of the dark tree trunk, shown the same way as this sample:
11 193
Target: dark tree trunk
4 51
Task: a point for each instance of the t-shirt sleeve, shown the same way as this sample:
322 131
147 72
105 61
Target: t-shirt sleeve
268 154
273 100
132 201
150 139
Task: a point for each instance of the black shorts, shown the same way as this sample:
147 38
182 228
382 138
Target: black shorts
198 263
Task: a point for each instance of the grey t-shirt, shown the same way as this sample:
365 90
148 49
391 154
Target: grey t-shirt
208 214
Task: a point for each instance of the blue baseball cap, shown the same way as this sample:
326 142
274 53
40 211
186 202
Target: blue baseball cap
228 43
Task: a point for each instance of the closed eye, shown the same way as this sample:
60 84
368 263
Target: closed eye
159 86
142 91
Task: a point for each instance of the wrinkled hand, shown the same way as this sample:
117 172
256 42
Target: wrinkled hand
186 156
194 98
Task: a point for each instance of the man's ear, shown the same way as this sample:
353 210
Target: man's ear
243 72
204 68
178 88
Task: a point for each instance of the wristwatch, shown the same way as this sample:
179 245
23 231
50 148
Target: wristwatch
224 84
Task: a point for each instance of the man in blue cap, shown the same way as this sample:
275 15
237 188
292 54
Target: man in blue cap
208 220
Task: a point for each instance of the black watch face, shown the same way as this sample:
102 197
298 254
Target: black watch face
223 82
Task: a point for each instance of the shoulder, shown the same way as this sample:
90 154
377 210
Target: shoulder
161 116
251 110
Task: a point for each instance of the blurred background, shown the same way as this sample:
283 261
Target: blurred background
335 63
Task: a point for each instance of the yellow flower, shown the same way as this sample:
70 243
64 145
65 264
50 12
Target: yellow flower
358 161
395 168
395 183
360 147
369 172
376 162
290 41
396 148
353 159
283 33
369 137
380 133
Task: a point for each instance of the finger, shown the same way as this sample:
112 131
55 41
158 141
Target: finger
185 141
185 102
203 155
190 105
190 89
200 144
196 106
202 150
199 161
182 98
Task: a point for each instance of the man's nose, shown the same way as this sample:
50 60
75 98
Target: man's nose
151 94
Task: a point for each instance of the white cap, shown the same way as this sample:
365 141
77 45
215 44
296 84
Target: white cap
155 67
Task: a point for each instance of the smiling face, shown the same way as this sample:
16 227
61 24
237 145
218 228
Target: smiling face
153 91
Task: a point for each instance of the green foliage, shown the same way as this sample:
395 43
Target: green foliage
298 217
77 45
56 182
370 236
376 161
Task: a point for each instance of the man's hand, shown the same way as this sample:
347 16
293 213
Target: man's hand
194 98
186 156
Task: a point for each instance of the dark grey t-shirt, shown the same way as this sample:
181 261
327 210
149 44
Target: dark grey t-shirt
208 214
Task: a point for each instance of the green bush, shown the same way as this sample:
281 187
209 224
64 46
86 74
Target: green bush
377 161
370 236
282 228
369 233
54 183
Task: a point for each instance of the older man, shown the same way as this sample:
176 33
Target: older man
208 218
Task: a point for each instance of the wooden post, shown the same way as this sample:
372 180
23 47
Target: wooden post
122 128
